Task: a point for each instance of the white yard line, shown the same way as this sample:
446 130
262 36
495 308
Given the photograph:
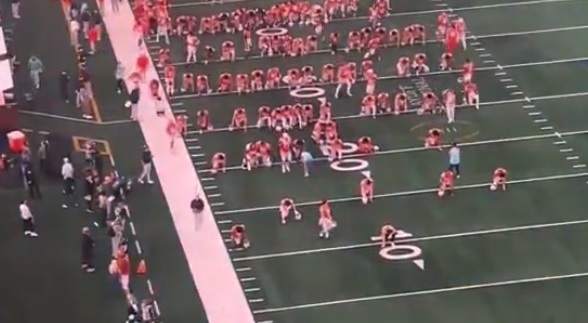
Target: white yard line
392 15
413 240
482 104
406 193
430 41
422 148
394 77
424 292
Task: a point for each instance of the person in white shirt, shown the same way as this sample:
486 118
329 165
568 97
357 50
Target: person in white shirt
69 182
74 33
28 222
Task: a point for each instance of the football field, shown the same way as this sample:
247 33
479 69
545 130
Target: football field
478 256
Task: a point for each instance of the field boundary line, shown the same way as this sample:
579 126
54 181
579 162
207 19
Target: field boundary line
425 292
408 193
413 240
394 77
199 237
427 42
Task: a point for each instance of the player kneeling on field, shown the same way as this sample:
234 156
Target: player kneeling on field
446 184
238 236
365 145
287 206
433 139
387 236
499 179
366 189
219 163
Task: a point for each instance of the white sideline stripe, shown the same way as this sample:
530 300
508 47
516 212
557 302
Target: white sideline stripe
413 240
424 292
429 41
482 104
422 148
407 193
394 77
217 272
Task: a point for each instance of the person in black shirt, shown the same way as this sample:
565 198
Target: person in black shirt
197 206
133 102
146 161
82 57
31 181
89 191
87 251
64 86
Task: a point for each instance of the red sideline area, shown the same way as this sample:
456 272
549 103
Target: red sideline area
206 254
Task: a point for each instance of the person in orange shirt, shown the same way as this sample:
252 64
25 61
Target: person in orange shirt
123 265
93 39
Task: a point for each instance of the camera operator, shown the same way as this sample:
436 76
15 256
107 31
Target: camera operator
197 205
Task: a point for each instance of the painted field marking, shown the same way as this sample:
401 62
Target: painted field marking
422 148
407 193
482 104
418 239
429 41
395 14
424 292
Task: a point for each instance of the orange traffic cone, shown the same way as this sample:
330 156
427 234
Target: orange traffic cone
142 268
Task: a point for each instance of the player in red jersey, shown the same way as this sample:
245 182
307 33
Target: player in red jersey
238 237
387 236
366 190
471 95
446 184
203 121
326 221
239 120
451 40
172 131
287 206
467 71
285 150
499 179
434 139
219 163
